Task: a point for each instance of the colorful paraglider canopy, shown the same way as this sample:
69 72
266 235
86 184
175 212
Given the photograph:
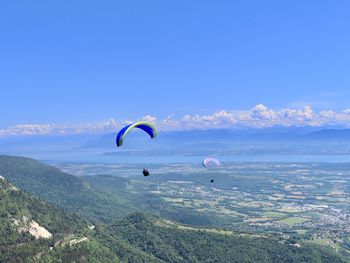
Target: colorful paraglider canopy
145 126
209 160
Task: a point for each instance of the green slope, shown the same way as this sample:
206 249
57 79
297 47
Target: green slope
64 190
17 211
170 242
71 240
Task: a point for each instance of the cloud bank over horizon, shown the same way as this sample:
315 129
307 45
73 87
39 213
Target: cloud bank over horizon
259 116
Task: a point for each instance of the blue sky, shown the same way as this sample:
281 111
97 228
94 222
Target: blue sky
87 61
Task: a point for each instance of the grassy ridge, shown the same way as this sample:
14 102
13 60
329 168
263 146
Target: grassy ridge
64 190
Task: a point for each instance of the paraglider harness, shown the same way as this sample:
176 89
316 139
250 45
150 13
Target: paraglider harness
145 172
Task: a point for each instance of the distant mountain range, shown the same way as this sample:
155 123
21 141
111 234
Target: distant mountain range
224 136
330 134
202 141
44 142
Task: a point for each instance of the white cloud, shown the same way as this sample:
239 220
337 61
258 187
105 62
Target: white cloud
261 112
259 116
169 123
296 117
150 119
221 119
56 129
328 114
28 129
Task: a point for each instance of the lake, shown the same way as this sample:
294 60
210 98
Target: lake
99 156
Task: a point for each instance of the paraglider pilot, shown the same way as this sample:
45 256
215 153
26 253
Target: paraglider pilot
145 172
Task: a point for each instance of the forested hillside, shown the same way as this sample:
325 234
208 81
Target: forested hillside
63 190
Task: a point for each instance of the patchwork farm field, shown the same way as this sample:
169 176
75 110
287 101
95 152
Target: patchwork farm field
302 201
